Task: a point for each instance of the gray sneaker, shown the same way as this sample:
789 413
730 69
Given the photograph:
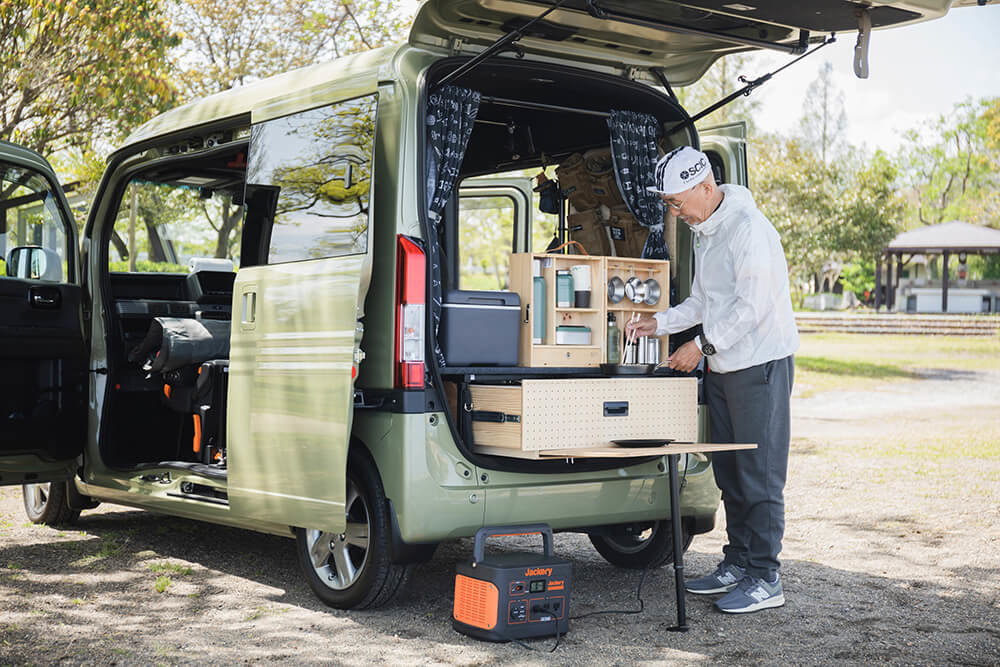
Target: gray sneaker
752 594
723 580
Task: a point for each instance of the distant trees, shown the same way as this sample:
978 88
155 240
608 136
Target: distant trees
951 166
74 70
228 43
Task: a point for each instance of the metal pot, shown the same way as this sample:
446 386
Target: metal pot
652 292
616 289
635 290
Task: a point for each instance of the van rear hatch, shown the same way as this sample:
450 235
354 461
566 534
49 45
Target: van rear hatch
682 38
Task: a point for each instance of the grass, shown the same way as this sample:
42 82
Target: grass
162 583
182 570
861 362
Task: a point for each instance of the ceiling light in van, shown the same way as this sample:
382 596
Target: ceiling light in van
538 79
194 180
737 7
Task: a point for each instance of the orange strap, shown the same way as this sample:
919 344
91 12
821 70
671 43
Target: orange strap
196 445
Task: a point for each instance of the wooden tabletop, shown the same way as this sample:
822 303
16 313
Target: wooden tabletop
616 451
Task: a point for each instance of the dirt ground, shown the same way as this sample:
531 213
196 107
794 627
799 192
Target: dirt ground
892 555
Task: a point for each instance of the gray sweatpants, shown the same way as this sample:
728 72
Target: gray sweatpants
752 405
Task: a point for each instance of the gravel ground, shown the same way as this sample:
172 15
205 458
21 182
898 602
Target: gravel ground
892 555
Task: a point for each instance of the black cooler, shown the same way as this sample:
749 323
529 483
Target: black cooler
480 328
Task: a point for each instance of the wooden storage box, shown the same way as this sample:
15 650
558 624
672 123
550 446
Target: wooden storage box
524 421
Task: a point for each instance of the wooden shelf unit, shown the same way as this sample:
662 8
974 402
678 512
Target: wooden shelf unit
626 267
595 317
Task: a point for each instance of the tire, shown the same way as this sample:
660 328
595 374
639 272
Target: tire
640 546
46 503
352 570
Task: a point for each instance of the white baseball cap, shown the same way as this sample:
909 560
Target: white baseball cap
679 170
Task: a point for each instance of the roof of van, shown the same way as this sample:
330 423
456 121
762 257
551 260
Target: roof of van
244 99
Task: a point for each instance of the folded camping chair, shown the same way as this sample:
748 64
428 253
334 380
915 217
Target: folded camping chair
191 357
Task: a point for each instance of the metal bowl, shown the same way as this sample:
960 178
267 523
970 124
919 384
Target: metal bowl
635 290
616 289
652 292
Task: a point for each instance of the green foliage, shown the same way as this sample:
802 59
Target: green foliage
228 43
799 194
859 277
147 266
162 583
722 79
74 70
870 211
952 165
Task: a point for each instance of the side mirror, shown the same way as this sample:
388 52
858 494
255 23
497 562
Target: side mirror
34 263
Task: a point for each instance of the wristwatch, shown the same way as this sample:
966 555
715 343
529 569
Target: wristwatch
706 348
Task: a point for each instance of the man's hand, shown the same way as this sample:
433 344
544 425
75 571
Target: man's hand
685 358
645 326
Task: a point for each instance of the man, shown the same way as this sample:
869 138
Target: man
740 296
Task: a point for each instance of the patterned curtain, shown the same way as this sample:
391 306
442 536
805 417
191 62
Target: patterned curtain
633 149
451 113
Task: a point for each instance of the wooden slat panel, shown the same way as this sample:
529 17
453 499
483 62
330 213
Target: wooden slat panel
496 399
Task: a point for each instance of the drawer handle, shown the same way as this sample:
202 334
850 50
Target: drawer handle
616 408
495 417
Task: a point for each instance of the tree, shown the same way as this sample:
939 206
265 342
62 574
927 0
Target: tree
799 194
228 43
722 79
952 165
78 70
824 119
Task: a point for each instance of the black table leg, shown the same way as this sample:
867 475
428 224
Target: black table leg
675 520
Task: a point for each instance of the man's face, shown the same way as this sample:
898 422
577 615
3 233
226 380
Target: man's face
688 205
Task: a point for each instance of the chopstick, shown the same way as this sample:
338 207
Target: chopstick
628 340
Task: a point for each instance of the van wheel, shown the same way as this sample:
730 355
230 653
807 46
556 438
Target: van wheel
352 570
639 546
46 503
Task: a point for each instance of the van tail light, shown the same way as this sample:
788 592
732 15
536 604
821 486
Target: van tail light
411 268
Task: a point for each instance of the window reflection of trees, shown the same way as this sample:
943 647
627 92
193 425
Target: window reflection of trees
321 162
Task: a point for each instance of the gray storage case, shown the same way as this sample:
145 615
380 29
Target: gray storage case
480 328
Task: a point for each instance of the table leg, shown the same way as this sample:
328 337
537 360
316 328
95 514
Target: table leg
675 521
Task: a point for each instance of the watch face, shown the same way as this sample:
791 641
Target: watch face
708 349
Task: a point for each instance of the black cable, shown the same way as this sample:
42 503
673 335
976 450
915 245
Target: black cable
638 595
532 648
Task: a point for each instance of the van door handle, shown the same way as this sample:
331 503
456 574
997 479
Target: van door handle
44 297
249 314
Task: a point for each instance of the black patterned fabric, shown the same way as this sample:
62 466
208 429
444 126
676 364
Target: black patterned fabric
633 149
451 114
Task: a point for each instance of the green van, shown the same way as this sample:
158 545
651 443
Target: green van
247 332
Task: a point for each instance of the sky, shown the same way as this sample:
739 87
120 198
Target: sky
916 73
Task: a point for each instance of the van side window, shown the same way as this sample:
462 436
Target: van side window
319 162
165 221
30 216
486 238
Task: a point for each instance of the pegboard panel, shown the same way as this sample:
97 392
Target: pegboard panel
567 414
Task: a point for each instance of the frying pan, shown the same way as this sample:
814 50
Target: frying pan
644 369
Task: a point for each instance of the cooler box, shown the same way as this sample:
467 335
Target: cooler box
480 328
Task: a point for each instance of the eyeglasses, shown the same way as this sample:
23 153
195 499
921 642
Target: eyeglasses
678 207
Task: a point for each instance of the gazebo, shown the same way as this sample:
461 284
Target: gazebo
947 239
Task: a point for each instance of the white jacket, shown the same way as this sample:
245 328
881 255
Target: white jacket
740 294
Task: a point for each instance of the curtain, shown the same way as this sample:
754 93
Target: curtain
634 152
451 113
